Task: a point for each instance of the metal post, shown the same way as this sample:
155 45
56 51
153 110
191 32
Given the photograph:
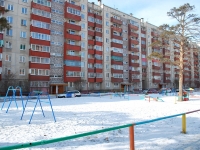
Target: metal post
184 123
131 137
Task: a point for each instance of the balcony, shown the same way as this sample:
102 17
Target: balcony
134 49
117 45
133 34
91 51
98 34
73 47
116 37
116 71
41 7
91 80
135 80
116 80
98 79
67 4
135 57
71 79
134 64
134 41
73 17
91 60
113 62
90 32
38 78
116 54
70 57
98 16
72 26
167 75
117 21
70 68
73 37
156 74
166 69
154 34
155 67
91 24
116 29
91 42
168 81
91 70
39 66
134 72
156 80
130 26
154 40
144 74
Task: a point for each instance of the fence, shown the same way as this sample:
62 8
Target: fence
131 133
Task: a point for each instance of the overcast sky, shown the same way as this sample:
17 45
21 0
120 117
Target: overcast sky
153 11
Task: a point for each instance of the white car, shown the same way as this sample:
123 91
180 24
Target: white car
70 94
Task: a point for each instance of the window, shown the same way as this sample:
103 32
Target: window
23 22
25 1
40 36
143 42
107 49
107 66
41 13
107 15
8 44
90 19
8 58
43 2
71 42
40 48
82 44
107 23
83 25
57 22
40 24
82 16
82 7
10 19
107 58
107 84
9 32
7 70
21 59
107 75
98 29
73 11
22 46
107 40
23 34
72 22
107 31
10 7
116 84
82 35
24 10
97 84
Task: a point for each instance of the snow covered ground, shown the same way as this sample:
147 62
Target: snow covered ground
84 114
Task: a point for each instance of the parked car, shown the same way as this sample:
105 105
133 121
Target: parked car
149 91
74 93
165 90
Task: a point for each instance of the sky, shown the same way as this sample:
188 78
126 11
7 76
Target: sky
153 11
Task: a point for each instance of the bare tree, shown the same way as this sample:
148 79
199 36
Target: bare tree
183 35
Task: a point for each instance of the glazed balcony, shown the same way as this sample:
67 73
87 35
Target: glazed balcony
116 37
116 71
166 69
116 54
135 57
134 41
71 79
156 74
41 7
91 14
73 47
67 4
167 75
155 67
156 80
116 80
39 66
154 34
117 21
116 29
117 45
91 80
72 26
91 60
130 26
70 68
91 70
90 32
154 40
73 37
38 78
98 16
98 34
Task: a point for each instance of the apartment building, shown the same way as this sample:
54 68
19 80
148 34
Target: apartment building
60 45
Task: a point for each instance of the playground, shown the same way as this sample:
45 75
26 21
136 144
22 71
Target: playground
27 122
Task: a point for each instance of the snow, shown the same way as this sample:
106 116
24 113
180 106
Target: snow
84 114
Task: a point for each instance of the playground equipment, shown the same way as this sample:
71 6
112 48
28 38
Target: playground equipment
13 97
38 94
149 98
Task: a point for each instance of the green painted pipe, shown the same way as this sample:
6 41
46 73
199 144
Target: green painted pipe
25 145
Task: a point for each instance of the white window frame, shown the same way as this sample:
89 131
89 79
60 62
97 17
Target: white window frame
22 59
10 7
24 11
22 71
8 57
